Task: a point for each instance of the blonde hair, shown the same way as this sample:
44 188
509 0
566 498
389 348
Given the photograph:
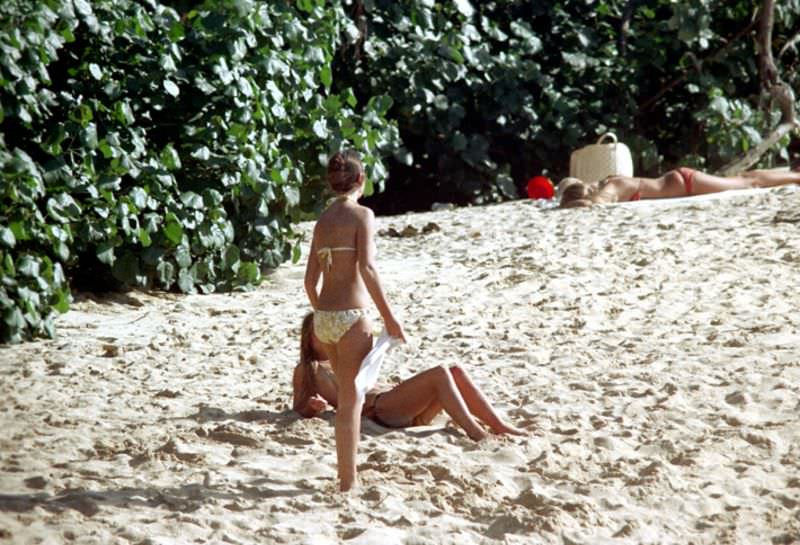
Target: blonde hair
575 193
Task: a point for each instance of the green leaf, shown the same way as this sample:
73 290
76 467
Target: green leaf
292 194
7 237
61 250
326 77
166 273
123 113
144 237
464 7
171 88
320 128
63 208
19 230
186 281
176 32
105 253
380 103
95 71
170 158
350 98
190 199
85 115
202 153
231 258
14 319
249 273
126 269
83 7
89 136
62 300
172 229
183 257
138 197
305 5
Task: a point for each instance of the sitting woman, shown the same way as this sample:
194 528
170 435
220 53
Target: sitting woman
413 402
681 182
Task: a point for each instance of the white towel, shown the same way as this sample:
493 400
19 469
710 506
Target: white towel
370 368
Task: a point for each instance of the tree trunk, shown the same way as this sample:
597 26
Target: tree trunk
751 157
772 85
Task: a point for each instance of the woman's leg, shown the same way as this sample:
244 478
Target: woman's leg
421 395
705 183
708 183
478 404
771 178
350 352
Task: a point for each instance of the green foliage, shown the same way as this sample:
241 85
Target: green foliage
172 144
146 147
487 94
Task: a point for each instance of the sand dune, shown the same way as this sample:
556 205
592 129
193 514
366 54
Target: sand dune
653 353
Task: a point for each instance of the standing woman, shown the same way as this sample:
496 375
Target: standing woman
343 253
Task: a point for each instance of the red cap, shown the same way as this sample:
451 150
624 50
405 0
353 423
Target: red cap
540 187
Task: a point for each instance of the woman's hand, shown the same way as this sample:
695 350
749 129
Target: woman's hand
313 406
394 329
317 404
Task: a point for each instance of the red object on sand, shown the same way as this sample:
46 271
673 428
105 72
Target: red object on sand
540 187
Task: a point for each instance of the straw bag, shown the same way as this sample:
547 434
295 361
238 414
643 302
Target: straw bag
597 161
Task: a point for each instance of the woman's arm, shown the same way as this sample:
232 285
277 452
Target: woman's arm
365 246
312 272
611 189
305 399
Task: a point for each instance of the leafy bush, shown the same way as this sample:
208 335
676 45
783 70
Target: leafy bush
488 93
146 147
171 144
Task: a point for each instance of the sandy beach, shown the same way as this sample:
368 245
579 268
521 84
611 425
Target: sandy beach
652 352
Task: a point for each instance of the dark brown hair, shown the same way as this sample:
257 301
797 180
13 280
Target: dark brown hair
344 171
307 354
303 385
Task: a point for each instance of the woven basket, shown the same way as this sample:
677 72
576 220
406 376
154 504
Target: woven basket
597 161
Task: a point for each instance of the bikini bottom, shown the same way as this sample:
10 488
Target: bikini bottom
688 178
331 325
369 410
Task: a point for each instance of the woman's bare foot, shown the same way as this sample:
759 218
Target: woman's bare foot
506 429
347 487
478 435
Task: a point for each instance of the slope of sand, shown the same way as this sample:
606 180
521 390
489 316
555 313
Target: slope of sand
652 352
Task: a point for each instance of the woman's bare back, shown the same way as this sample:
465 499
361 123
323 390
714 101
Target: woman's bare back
336 243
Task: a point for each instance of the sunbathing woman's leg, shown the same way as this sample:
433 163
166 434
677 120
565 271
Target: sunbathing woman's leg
771 178
478 404
420 396
704 183
708 183
350 351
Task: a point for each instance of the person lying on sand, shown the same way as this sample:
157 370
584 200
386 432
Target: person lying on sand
681 182
413 402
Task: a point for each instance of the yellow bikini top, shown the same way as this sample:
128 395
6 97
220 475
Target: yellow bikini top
325 254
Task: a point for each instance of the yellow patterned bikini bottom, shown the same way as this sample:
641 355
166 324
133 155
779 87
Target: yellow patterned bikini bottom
331 325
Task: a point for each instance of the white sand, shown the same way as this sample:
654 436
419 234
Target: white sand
652 351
